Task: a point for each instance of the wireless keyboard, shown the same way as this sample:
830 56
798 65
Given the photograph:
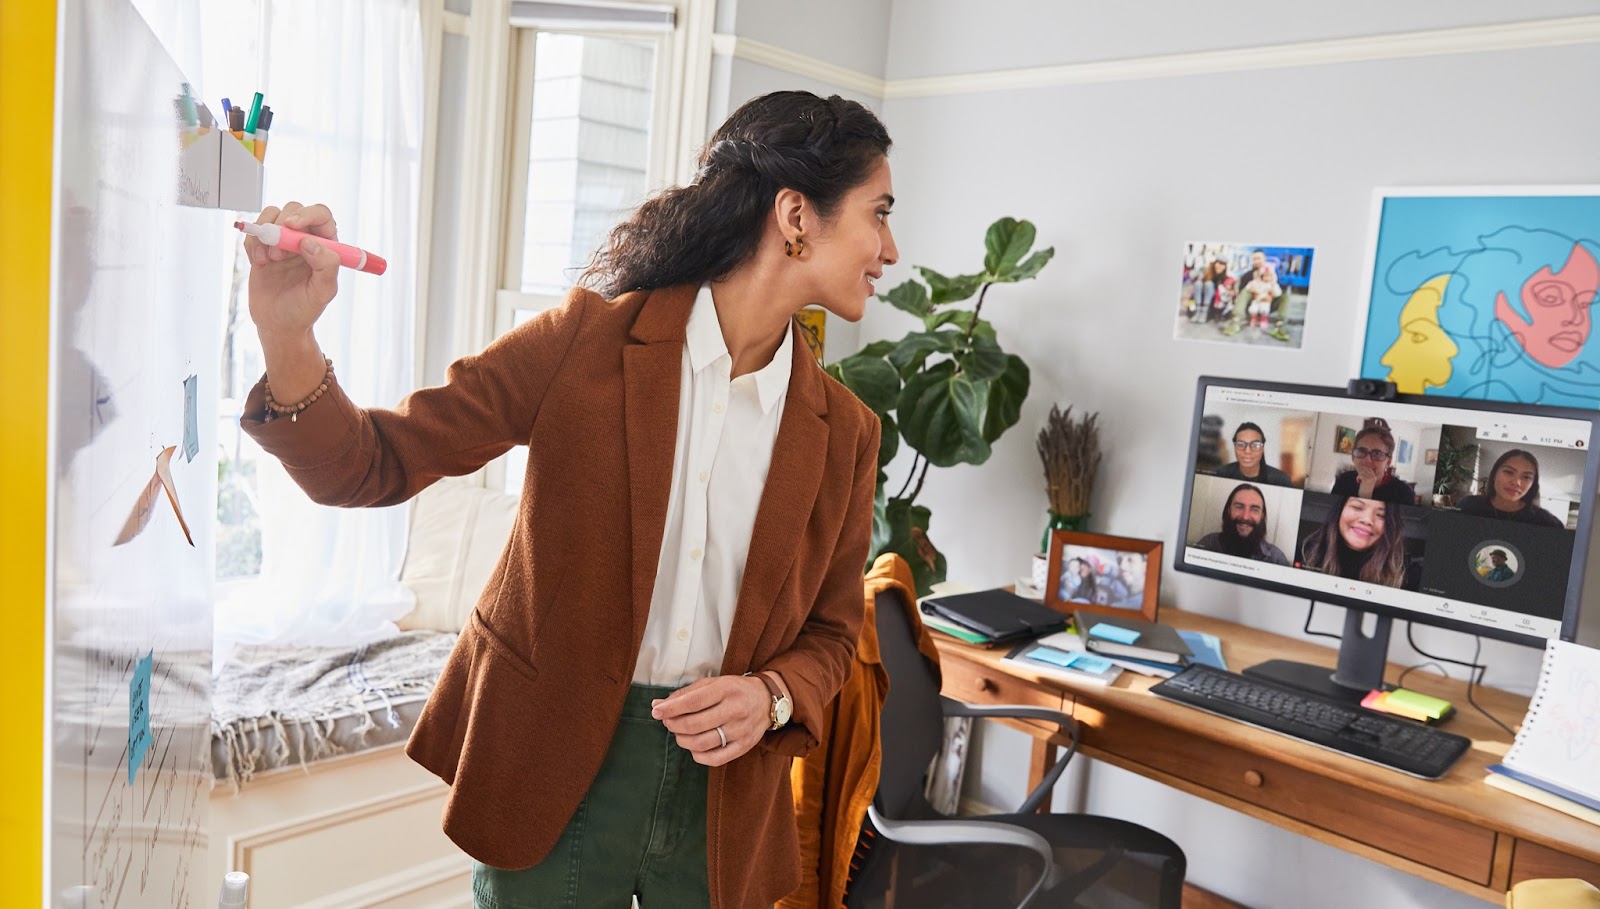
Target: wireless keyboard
1402 745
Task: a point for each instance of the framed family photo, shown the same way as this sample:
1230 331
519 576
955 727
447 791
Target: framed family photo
1100 573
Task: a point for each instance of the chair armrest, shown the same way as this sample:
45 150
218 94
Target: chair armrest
951 832
1023 712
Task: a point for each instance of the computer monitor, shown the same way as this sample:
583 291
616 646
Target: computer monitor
1470 515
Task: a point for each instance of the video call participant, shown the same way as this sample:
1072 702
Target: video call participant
1361 539
1249 450
1514 492
1244 528
1371 478
1501 571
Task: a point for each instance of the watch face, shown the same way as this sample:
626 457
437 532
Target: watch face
781 711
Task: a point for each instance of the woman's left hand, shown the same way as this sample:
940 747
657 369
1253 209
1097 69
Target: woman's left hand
739 704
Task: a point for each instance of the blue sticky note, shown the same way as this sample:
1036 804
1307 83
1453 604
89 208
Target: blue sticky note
1086 662
191 418
1089 662
1052 656
139 715
1114 633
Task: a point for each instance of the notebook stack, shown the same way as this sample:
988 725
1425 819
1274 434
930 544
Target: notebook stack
995 616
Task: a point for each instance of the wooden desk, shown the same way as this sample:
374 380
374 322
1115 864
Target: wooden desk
1458 831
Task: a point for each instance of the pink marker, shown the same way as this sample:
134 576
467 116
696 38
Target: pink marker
288 239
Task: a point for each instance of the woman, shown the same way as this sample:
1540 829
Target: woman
1249 459
1361 539
1078 581
1371 478
681 593
1212 280
1513 492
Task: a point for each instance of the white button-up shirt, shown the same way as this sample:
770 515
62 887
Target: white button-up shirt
726 430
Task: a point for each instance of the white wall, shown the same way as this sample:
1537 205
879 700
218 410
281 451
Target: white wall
1117 175
850 33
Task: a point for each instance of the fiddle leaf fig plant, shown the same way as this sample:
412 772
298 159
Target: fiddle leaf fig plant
947 390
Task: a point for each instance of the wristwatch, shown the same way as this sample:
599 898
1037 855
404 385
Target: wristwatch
782 708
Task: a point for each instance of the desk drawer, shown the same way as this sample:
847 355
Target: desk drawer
1531 860
974 683
1345 809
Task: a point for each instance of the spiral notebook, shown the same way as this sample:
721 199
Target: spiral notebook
1559 743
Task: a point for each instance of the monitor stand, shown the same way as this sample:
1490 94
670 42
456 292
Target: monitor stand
1362 659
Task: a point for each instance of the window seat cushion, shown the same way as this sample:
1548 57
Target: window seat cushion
276 706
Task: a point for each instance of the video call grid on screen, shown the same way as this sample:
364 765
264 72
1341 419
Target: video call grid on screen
1476 569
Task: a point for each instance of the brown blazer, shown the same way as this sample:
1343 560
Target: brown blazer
525 708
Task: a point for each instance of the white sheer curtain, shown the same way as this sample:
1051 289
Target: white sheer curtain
344 81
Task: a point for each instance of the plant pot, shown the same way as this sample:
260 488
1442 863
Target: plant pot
1078 522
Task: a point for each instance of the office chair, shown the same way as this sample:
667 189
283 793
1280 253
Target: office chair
909 855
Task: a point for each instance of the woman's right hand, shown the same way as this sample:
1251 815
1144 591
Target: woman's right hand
1367 479
289 291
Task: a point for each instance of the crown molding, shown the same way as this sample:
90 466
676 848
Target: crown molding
770 55
1395 46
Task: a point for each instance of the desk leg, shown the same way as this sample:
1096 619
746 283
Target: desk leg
1044 757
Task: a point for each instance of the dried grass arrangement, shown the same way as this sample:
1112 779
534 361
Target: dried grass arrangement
1070 450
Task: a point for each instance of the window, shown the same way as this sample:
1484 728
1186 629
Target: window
595 129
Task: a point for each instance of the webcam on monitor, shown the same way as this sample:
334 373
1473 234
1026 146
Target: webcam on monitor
1371 389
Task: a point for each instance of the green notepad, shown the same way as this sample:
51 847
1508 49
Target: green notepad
1431 707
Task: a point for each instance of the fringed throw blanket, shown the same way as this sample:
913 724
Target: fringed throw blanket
279 706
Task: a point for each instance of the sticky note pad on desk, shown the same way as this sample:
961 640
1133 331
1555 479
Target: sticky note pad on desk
1113 633
1384 701
1075 659
1428 706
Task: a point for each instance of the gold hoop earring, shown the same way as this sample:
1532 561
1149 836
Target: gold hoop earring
795 248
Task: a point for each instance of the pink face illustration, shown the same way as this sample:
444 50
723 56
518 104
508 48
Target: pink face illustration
1558 303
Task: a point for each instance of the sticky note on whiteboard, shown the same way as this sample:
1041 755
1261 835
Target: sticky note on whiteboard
191 418
139 715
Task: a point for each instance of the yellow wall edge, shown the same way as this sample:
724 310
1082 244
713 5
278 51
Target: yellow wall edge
27 124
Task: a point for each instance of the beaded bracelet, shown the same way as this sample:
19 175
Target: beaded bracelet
292 411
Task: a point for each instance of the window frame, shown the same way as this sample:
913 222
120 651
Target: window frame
679 105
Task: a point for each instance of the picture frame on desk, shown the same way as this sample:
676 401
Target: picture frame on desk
1102 573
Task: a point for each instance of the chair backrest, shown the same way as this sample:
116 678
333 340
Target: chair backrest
912 719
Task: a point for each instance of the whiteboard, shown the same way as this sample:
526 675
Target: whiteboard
135 334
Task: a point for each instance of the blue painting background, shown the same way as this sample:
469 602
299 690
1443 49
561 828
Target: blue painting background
1488 244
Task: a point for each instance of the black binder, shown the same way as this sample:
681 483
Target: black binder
997 614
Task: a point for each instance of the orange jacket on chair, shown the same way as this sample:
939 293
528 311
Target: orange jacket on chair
834 784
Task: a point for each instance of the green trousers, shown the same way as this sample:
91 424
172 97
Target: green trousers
640 831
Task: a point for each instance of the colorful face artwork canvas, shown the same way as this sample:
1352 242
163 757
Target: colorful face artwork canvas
1486 293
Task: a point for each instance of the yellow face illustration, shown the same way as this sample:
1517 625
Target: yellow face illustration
1421 356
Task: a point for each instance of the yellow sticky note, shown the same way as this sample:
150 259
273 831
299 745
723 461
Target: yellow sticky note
1429 706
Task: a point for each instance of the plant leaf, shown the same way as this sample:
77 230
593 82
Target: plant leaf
1007 242
908 536
914 348
876 349
889 441
910 297
949 290
961 318
942 415
880 519
1030 266
985 360
1006 394
872 380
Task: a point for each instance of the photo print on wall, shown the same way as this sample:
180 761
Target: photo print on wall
1244 293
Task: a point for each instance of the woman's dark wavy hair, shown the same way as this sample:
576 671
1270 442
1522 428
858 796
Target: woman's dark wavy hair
821 147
